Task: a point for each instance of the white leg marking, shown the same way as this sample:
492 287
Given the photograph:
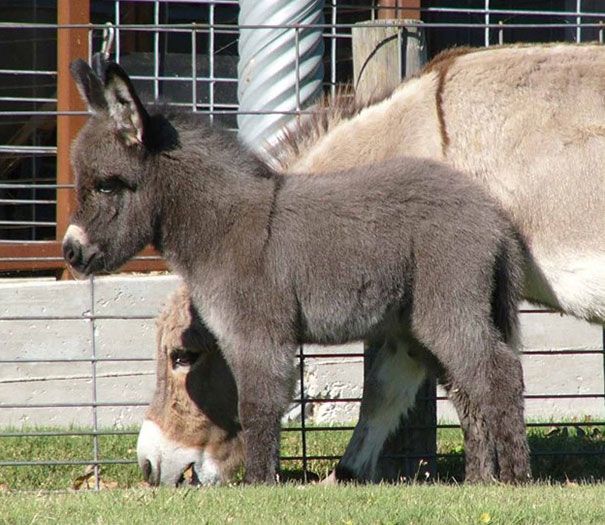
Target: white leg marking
389 392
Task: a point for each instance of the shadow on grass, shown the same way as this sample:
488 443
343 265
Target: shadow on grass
558 454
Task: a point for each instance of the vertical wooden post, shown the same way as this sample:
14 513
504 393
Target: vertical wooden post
384 52
381 57
72 43
396 9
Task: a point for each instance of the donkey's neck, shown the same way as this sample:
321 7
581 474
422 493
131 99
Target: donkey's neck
216 204
410 114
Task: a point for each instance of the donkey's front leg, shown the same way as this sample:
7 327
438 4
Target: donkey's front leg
264 378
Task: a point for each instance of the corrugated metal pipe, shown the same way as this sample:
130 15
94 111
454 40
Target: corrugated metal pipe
280 69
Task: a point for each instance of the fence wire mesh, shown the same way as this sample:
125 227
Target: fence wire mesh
186 54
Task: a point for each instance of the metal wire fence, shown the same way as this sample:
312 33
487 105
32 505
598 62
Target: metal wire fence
186 52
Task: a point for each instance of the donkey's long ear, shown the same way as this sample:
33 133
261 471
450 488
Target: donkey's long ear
89 85
98 63
125 107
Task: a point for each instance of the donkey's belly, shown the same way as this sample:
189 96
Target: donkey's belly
334 330
341 323
570 282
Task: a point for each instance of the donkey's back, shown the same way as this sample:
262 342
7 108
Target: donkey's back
407 231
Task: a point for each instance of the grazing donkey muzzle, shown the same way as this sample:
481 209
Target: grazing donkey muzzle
164 461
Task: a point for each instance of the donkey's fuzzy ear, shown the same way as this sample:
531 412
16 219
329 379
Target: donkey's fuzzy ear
98 63
125 107
89 85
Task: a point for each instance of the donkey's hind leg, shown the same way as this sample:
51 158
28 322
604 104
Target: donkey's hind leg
505 414
485 376
486 383
389 391
480 450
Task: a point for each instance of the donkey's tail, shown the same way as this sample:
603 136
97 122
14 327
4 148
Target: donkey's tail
507 286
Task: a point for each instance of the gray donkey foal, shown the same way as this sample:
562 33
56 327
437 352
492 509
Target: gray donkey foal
407 250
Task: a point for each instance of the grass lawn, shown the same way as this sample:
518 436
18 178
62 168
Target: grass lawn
44 494
547 464
310 504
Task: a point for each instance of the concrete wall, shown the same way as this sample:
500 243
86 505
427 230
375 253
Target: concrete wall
45 320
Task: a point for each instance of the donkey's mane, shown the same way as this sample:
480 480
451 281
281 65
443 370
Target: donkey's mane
297 139
332 110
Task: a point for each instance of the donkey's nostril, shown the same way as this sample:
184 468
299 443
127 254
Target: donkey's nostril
72 252
147 470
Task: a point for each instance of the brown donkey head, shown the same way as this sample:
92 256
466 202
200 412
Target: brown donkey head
192 419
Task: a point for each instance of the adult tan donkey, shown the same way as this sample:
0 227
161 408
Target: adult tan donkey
526 122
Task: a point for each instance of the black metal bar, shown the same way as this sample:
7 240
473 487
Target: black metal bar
303 429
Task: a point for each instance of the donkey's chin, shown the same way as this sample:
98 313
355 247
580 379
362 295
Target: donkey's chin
76 274
207 472
203 473
200 474
103 262
95 264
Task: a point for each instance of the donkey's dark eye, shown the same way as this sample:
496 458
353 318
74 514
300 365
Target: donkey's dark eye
110 185
180 357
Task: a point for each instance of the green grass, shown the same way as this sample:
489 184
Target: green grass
310 504
64 448
25 496
551 467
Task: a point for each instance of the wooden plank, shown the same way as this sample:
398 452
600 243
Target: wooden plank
384 52
72 43
40 256
34 256
389 9
379 63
